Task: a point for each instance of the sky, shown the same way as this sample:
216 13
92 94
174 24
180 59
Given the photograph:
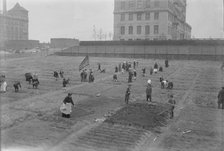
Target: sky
77 18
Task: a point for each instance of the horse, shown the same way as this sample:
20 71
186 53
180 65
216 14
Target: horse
35 83
56 75
29 77
17 85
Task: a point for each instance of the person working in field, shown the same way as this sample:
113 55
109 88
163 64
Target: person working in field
221 98
3 86
149 91
166 63
66 107
172 102
127 94
99 67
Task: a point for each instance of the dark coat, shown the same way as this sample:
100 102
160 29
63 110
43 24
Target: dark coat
68 99
221 96
149 90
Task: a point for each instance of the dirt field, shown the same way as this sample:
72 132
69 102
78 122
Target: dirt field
31 120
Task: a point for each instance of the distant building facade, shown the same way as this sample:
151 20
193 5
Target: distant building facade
13 24
63 42
150 20
21 44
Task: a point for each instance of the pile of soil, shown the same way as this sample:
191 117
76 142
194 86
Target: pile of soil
146 116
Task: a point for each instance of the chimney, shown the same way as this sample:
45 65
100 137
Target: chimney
4 7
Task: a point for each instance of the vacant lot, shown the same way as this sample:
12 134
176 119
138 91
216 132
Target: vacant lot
31 120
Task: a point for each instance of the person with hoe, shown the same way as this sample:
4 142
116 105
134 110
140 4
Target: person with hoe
221 98
172 102
127 94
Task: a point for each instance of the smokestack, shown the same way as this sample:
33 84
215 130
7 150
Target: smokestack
4 7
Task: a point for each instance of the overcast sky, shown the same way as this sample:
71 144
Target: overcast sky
76 18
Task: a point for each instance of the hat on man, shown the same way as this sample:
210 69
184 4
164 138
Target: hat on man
149 81
69 94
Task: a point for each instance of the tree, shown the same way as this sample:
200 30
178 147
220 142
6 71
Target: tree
100 34
110 35
94 33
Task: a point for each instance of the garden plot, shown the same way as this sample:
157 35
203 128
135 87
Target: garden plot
195 118
113 137
126 128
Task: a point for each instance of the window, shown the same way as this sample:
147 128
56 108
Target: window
156 29
122 30
139 16
122 16
147 16
156 15
130 16
139 4
139 30
147 4
147 29
130 30
156 3
131 4
122 4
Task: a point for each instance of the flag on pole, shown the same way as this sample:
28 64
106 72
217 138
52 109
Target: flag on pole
84 63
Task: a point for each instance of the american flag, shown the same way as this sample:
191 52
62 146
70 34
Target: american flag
84 63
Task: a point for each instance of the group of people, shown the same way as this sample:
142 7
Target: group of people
148 91
84 75
56 74
32 78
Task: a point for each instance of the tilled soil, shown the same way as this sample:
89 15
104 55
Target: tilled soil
31 118
146 116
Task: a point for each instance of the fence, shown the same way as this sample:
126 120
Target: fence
188 50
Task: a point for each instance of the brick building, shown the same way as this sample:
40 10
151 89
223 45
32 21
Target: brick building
150 20
13 24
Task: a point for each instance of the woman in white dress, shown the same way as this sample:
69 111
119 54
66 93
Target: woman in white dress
66 107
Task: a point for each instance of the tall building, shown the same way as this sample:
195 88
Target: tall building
150 20
13 23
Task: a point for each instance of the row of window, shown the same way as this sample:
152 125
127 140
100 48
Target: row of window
130 4
139 16
139 30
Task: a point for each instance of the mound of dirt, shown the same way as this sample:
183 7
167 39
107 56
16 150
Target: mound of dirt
146 116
